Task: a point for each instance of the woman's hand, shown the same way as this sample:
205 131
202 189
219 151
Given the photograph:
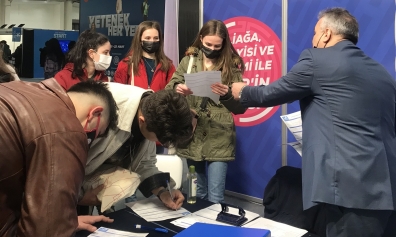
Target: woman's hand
219 89
183 89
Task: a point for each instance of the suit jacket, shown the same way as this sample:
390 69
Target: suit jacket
347 105
43 151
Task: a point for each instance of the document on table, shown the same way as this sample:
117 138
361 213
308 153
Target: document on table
152 209
118 183
294 124
208 215
200 83
277 229
106 232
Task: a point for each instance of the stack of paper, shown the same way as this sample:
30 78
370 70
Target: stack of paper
106 232
152 209
294 124
118 184
277 229
199 83
208 215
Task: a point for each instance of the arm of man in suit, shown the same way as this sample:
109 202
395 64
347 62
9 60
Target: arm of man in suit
295 85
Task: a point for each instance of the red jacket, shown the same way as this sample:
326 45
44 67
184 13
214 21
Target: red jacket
64 76
159 81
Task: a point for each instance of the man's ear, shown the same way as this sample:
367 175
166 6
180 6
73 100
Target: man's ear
141 119
327 35
95 112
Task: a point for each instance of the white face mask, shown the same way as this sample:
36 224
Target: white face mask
103 63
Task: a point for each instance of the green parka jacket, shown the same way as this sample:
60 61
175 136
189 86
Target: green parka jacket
214 137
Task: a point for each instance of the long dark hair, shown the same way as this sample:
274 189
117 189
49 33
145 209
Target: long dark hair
135 51
79 54
53 47
229 57
5 72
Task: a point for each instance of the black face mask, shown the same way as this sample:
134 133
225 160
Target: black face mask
150 46
210 53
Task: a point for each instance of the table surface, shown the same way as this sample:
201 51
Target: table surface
125 219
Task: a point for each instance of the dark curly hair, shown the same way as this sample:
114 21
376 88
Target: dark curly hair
78 55
168 115
100 90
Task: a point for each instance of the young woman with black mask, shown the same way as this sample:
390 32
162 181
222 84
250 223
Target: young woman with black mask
213 143
146 64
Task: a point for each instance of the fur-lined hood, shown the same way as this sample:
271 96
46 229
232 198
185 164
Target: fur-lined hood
195 51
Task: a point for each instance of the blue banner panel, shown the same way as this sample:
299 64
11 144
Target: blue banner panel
376 20
118 20
255 31
41 36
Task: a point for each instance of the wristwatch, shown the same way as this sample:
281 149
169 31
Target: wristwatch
240 92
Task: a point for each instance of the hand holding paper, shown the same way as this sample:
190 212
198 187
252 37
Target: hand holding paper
183 89
219 89
201 83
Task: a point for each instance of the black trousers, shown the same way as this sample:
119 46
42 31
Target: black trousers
347 222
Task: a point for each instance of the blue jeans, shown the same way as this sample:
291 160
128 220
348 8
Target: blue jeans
211 186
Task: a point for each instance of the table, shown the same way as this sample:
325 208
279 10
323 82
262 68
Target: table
125 219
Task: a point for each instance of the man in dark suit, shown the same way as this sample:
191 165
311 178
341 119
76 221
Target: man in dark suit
348 112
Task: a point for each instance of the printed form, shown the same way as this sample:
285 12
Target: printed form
294 124
208 215
199 83
152 209
106 232
277 229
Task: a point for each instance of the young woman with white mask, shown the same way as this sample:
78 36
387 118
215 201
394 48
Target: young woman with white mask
88 60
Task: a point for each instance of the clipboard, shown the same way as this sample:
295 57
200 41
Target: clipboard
210 230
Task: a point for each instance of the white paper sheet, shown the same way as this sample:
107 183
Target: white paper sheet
106 232
208 215
152 209
277 229
200 83
118 183
294 124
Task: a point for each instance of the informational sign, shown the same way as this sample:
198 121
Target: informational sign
261 51
16 34
119 19
254 28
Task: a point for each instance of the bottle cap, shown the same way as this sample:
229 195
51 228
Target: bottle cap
192 169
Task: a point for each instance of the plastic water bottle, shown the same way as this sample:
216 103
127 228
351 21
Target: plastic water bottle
192 185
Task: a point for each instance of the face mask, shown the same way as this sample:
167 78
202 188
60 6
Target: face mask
150 46
210 53
91 134
103 63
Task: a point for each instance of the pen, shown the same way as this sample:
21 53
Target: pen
169 188
151 228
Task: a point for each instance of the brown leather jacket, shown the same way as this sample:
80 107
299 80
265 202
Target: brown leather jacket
43 152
